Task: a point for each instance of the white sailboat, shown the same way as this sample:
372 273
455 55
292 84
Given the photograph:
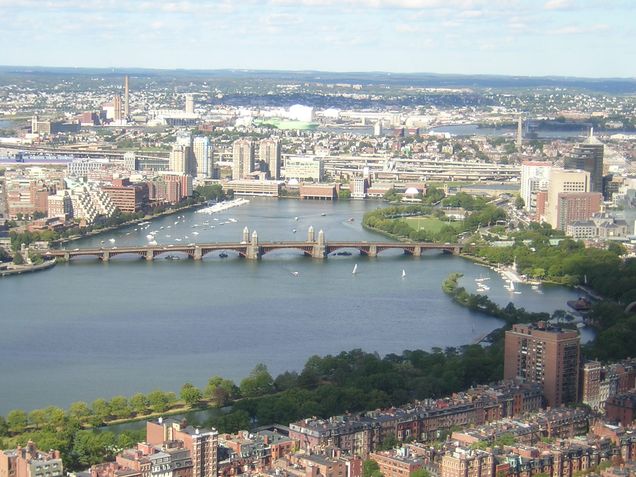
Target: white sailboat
355 269
403 273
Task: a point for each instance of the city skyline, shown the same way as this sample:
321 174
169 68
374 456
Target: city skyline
502 37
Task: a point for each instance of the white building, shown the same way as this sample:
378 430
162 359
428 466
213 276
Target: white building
304 168
202 150
535 177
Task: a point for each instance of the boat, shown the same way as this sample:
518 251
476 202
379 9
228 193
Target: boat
195 233
403 273
582 304
355 269
296 219
323 214
295 274
482 279
112 240
223 255
344 253
350 219
294 231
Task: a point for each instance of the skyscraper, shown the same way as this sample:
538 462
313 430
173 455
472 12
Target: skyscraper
117 107
535 177
202 150
189 103
588 156
242 158
519 140
126 103
563 181
269 154
547 355
181 160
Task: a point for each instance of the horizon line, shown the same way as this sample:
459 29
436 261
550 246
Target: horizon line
122 69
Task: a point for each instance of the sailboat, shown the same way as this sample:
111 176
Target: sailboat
403 273
355 269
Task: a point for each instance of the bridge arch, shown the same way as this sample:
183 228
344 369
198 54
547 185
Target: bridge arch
289 251
240 251
631 308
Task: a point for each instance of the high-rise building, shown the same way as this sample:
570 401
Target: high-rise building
563 181
126 102
543 354
189 103
242 158
304 168
535 177
130 161
519 139
588 156
202 151
181 160
577 206
269 156
117 110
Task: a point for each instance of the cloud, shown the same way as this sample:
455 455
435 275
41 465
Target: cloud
579 29
557 4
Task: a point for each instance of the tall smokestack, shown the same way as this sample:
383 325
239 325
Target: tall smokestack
126 110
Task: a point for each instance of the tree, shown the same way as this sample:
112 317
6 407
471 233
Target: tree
4 427
519 203
17 421
420 473
101 410
37 418
18 259
159 401
258 383
79 410
370 468
119 407
191 394
139 403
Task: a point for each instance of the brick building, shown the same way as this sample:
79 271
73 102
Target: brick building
30 462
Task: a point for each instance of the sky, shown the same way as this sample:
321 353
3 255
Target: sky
587 38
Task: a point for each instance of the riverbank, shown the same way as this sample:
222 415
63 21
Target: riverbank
20 269
94 233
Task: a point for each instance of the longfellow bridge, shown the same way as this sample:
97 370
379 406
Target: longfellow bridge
252 249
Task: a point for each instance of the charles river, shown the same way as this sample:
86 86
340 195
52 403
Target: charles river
89 329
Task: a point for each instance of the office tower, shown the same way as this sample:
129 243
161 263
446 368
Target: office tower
130 161
117 107
588 156
269 155
535 177
242 158
543 354
519 140
181 161
126 103
202 150
563 181
189 103
577 206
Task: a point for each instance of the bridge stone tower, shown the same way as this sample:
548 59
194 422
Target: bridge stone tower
319 250
246 235
253 251
310 234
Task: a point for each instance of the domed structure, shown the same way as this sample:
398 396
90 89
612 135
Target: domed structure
411 191
293 182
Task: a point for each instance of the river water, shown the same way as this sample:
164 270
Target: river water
85 330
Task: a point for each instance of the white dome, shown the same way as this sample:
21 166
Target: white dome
292 182
412 191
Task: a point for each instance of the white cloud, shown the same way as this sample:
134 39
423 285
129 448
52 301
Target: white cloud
579 29
557 4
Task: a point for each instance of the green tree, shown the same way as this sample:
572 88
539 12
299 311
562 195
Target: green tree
79 410
159 401
258 383
519 203
18 259
370 468
119 407
191 394
4 427
17 421
101 410
420 473
37 418
139 403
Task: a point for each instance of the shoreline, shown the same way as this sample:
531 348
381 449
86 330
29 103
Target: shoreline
28 269
94 233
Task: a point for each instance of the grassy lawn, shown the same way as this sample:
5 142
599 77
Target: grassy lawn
430 224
